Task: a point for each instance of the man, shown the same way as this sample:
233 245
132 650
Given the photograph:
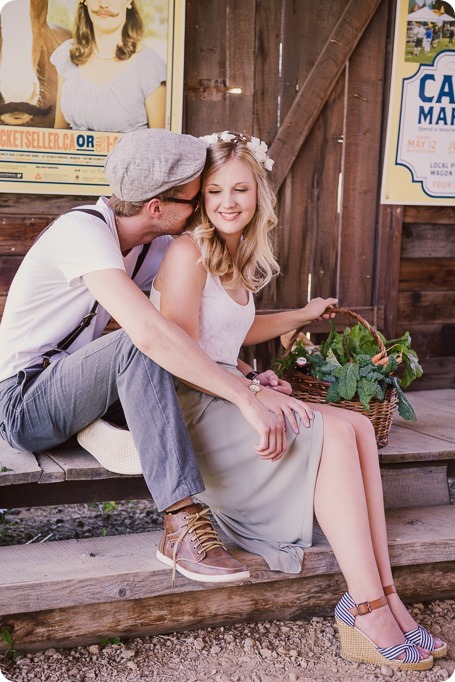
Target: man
48 394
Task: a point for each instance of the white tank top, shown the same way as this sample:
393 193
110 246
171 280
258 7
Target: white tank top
223 323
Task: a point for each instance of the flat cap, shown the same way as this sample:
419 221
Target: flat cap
147 162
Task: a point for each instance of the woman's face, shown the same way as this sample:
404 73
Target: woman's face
230 197
107 15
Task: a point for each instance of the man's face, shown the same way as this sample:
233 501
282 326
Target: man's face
175 215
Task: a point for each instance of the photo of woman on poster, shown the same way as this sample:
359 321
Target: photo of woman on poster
109 79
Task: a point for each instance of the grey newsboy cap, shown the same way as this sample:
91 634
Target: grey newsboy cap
147 162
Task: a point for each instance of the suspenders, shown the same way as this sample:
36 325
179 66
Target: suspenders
86 320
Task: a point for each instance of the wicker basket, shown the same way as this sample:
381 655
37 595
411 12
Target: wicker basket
310 389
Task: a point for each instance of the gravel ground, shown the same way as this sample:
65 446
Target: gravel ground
275 651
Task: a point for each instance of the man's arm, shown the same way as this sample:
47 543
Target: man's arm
171 348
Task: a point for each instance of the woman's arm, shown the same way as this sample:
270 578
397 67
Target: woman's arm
60 121
155 105
272 325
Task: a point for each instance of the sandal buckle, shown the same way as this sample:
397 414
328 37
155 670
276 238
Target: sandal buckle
363 608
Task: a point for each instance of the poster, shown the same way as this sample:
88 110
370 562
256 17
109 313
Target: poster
74 76
419 163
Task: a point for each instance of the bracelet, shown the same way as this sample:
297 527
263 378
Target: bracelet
251 375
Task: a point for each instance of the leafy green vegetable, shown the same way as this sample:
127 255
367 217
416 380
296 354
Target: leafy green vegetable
352 363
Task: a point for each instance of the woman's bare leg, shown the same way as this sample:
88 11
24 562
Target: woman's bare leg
369 465
342 512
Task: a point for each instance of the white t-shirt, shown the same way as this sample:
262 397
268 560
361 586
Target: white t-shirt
48 298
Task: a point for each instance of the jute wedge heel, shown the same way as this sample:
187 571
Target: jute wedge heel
355 646
420 636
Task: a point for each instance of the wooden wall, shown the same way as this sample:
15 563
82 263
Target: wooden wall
334 239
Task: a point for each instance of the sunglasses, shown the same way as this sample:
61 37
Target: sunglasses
194 202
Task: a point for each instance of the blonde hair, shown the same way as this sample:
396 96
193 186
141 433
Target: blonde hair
84 35
255 264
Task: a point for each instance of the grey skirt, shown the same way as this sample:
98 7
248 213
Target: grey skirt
264 507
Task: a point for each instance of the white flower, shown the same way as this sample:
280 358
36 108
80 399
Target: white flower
255 145
226 136
258 148
210 139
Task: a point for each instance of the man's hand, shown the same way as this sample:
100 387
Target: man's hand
271 430
271 380
281 407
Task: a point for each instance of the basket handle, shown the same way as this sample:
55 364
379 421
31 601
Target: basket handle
340 311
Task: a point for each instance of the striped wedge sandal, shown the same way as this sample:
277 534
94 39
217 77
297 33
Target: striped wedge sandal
420 636
355 646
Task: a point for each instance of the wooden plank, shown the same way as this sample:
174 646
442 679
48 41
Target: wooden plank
74 492
8 268
443 399
17 466
51 471
302 45
43 205
219 54
308 200
282 600
420 306
422 547
110 569
415 486
361 166
432 420
315 91
432 340
428 241
438 372
427 273
442 215
18 232
388 264
266 75
407 445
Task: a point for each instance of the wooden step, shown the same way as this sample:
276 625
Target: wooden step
76 592
414 465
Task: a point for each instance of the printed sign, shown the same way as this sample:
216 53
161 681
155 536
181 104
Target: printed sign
419 165
74 76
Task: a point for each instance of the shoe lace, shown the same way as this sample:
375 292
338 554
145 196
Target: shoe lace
206 537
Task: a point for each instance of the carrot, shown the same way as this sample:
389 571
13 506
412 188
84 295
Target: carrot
380 359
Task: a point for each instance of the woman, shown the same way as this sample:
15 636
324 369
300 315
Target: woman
109 79
331 464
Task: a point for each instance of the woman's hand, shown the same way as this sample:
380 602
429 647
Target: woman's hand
271 380
318 309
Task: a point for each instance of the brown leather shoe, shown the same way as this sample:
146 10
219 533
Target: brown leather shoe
191 545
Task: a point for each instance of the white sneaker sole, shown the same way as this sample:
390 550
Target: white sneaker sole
227 578
112 446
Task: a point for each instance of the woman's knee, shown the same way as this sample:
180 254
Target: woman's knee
338 429
361 424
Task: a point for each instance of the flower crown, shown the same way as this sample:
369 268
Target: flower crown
254 144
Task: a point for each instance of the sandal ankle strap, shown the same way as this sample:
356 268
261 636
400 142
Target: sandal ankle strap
368 606
390 589
347 610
